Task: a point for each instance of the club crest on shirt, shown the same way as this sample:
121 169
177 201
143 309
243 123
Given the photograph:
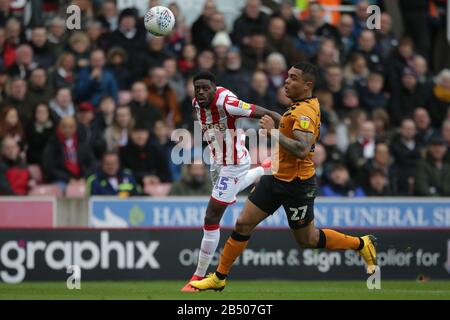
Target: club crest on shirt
304 122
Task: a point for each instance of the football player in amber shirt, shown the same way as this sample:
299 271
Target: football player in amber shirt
292 185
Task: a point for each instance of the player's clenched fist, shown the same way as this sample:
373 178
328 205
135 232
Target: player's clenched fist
267 123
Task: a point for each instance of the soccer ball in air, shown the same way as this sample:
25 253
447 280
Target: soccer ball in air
159 21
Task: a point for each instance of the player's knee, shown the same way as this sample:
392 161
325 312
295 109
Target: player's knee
243 227
308 241
212 217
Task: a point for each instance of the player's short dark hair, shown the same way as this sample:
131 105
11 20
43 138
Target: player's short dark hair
310 71
205 75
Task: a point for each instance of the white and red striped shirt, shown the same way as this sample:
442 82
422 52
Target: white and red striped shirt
227 144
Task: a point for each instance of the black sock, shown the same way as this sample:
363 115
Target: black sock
322 240
361 244
221 276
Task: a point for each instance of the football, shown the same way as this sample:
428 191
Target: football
159 21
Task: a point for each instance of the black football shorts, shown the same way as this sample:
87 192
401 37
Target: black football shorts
296 197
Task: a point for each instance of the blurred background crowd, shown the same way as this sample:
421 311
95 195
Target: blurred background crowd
91 111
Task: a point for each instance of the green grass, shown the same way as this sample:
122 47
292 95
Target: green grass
239 290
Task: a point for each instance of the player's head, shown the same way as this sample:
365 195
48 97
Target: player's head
204 88
300 82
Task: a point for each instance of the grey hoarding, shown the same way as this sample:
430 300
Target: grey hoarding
171 254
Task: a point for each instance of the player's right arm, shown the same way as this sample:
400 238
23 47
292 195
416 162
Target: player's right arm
300 146
260 112
239 108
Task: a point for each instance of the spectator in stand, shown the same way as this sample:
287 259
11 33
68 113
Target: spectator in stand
252 18
276 69
420 66
432 177
280 42
105 115
194 181
316 14
256 51
188 113
406 154
14 176
66 160
80 46
259 91
334 83
320 163
381 161
187 61
410 95
10 125
17 96
97 36
109 15
96 81
235 77
24 62
201 28
350 102
206 61
39 88
439 103
63 74
43 54
329 117
131 38
38 132
221 44
4 78
340 184
347 131
372 96
14 38
117 63
154 56
400 58
344 38
181 34
363 149
57 36
176 80
140 106
111 180
356 71
286 11
87 132
367 48
378 185
62 105
161 95
424 129
383 128
116 135
145 160
385 37
360 17
161 139
307 42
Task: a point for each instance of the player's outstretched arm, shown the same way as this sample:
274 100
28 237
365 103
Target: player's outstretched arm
260 112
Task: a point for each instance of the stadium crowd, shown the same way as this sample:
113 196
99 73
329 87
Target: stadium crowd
95 107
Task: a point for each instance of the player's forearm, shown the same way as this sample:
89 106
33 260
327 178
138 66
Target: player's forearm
261 112
298 148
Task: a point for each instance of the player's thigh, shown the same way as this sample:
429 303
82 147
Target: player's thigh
298 203
250 217
227 183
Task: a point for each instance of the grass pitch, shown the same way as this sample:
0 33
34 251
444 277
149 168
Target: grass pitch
235 290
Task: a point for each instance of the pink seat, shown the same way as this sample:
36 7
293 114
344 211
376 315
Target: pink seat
46 190
76 190
158 190
35 173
